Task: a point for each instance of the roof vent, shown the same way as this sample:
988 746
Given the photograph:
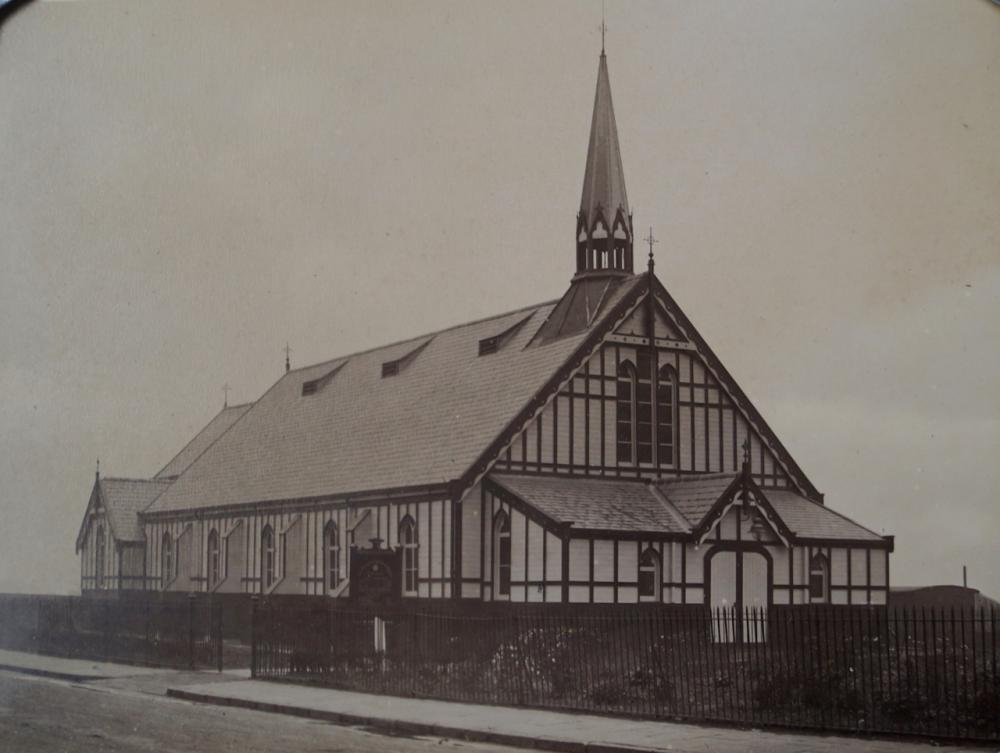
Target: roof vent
493 343
392 368
315 385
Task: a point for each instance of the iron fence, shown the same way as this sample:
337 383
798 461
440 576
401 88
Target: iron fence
184 632
870 669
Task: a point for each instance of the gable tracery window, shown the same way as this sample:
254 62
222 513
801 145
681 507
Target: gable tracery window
502 551
331 537
637 411
408 542
214 559
267 573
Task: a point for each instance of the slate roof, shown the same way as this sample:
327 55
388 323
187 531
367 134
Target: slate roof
694 496
215 429
123 499
610 505
616 505
811 520
360 431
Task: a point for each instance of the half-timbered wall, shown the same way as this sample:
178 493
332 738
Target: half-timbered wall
576 432
301 548
89 553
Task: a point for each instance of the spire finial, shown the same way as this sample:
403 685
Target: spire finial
604 28
97 473
288 358
225 393
650 240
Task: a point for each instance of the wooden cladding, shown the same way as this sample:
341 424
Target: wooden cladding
604 422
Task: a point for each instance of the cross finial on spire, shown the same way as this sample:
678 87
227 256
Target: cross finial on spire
288 358
604 28
225 392
650 240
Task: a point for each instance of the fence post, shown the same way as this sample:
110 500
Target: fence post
217 624
107 630
190 615
253 636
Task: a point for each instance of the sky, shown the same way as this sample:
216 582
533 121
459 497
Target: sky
187 186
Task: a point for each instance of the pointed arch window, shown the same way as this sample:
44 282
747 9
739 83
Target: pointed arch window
331 540
625 411
502 551
99 558
665 393
649 576
267 573
408 542
214 559
166 559
819 579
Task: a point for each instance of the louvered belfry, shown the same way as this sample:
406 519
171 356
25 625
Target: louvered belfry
604 224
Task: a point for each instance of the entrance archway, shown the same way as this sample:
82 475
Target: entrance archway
739 591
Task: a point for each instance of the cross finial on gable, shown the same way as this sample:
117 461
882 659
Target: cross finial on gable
225 392
288 358
650 240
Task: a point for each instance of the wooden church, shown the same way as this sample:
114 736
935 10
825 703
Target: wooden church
591 449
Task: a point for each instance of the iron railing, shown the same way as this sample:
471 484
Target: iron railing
858 669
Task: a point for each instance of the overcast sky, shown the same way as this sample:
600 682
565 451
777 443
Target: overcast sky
184 186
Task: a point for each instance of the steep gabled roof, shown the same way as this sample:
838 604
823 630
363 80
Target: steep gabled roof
424 426
215 429
122 500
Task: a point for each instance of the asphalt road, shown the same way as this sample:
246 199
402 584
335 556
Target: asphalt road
55 716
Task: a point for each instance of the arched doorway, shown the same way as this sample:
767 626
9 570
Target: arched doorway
739 591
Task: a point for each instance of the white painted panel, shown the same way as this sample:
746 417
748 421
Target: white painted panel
878 597
838 597
472 532
579 560
628 595
604 595
532 443
437 548
628 560
779 555
553 554
517 593
536 537
578 594
859 565
879 559
780 596
470 591
695 596
838 567
424 524
604 562
695 563
563 430
553 593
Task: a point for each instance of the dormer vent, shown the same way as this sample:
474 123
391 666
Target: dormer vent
493 343
392 368
315 385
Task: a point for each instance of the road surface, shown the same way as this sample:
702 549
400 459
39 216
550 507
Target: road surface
125 715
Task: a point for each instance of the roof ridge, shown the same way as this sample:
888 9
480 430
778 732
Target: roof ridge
426 336
142 480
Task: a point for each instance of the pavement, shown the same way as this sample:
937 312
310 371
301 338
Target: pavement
525 728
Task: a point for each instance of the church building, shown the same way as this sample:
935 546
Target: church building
590 449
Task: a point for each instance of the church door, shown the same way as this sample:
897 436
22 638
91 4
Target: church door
738 594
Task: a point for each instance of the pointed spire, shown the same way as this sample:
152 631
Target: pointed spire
604 224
